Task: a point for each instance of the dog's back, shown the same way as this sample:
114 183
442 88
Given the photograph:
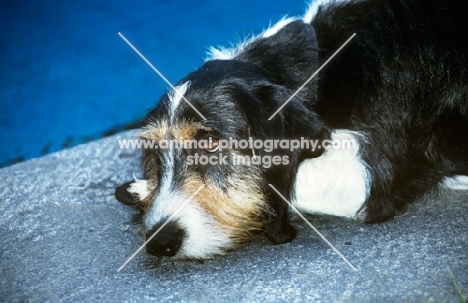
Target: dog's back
403 83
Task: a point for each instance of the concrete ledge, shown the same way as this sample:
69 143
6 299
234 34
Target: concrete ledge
63 237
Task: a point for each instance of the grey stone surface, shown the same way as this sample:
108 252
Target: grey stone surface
63 237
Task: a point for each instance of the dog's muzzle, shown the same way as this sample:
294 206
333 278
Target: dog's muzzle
167 241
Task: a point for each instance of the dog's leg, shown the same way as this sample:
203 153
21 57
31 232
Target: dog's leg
399 174
279 230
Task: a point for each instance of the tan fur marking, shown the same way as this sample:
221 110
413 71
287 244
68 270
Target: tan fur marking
156 130
187 130
161 130
239 211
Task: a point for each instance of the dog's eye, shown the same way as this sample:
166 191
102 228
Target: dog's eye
213 145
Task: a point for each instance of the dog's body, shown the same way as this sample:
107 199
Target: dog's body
399 90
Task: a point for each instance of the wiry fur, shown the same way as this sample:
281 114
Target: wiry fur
398 89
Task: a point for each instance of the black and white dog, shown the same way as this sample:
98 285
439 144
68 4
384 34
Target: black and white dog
398 90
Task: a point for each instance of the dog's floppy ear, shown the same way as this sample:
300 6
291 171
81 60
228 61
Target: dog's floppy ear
289 57
296 121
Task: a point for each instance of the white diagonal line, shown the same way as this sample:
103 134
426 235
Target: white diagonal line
315 229
162 226
311 77
161 75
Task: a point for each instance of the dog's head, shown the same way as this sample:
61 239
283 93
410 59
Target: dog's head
196 127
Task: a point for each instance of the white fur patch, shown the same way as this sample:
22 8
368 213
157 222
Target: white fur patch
314 7
336 183
457 182
204 238
175 96
273 30
162 204
221 53
139 187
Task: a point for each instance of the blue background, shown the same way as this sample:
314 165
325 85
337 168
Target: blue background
68 78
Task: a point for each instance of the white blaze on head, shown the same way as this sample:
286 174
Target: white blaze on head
176 95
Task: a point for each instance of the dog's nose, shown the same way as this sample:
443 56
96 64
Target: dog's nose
166 242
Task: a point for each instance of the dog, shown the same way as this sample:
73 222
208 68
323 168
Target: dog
398 90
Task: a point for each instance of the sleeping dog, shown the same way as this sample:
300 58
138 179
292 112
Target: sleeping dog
398 91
